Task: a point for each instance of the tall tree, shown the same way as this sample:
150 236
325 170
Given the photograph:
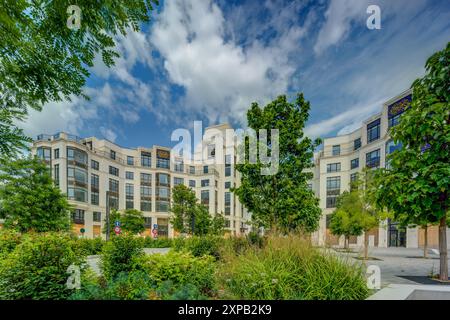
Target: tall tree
417 181
29 201
282 200
131 221
43 60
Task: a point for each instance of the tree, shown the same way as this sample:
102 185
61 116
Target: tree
131 221
184 206
192 217
29 201
417 180
344 220
282 200
44 60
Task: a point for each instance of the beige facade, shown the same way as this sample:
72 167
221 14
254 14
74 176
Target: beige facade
345 155
142 178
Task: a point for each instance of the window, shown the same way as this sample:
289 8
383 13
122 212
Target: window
56 153
334 167
148 222
162 206
373 130
228 165
357 144
77 194
97 216
162 192
129 175
205 183
227 185
227 203
114 171
146 200
146 191
95 198
130 160
227 223
113 185
177 181
112 155
146 179
192 183
336 150
333 191
79 175
56 174
309 186
78 216
211 149
129 196
78 156
179 166
205 169
163 227
396 109
163 179
391 147
94 181
162 163
373 159
44 153
354 163
353 179
191 169
146 159
95 165
146 205
204 197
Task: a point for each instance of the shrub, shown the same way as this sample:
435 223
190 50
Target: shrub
200 246
91 246
37 268
168 291
119 255
150 242
9 239
181 268
289 268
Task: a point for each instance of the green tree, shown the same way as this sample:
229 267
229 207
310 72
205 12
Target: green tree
43 60
131 221
217 225
416 183
29 201
281 200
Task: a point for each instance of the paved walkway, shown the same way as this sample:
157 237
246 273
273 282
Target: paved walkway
397 262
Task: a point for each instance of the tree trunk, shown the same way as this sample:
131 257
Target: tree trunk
425 245
366 245
443 275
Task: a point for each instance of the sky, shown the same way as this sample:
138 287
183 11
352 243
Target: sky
208 60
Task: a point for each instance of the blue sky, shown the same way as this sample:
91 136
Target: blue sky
207 60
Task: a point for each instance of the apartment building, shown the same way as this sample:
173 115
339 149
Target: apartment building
95 171
338 163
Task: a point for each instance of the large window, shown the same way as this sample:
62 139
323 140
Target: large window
113 185
227 184
357 144
78 216
44 153
129 175
205 183
192 183
373 130
373 159
146 198
97 216
391 147
179 166
333 191
162 159
78 156
148 222
56 174
204 197
112 154
77 194
205 169
227 203
354 163
396 109
95 183
146 191
162 206
191 169
95 165
334 167
146 179
336 151
146 159
163 179
56 152
228 165
129 196
114 171
130 160
177 181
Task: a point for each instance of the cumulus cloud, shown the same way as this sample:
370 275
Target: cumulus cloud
221 78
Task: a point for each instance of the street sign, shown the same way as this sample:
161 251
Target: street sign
117 223
155 226
117 230
155 233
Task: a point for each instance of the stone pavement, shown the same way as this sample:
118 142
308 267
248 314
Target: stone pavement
397 262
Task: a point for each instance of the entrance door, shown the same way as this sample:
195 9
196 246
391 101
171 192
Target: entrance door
396 235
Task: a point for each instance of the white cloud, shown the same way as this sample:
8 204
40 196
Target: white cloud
221 78
339 16
108 134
